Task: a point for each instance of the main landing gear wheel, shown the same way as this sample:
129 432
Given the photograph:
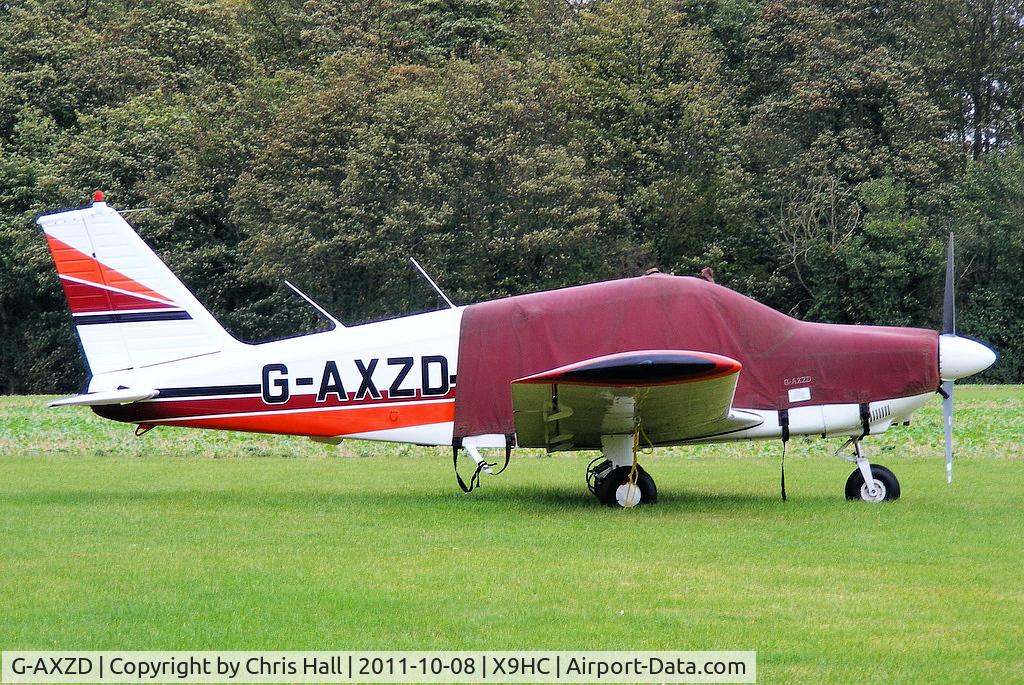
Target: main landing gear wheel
886 486
613 489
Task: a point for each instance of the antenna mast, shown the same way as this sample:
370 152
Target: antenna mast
314 305
431 282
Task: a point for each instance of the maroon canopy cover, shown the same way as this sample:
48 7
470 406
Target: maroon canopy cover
519 336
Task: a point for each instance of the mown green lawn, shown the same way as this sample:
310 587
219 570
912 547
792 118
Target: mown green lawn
200 540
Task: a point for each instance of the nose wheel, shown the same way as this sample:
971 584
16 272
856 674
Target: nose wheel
869 482
884 488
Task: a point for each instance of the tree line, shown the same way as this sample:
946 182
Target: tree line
814 153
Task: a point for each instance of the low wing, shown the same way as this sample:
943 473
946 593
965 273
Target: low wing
675 395
119 396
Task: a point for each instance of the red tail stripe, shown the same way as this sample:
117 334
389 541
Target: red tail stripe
75 263
86 298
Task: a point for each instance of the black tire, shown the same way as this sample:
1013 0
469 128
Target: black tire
882 475
619 475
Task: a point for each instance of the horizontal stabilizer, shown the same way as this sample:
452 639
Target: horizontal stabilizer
119 396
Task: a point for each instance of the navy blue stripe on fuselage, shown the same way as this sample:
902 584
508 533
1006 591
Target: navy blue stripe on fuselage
209 391
130 317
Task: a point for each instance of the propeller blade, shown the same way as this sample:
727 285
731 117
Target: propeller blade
947 420
948 303
948 328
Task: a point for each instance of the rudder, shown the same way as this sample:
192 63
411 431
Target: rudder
129 309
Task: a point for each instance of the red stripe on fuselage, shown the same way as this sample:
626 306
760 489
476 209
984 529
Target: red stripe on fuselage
303 415
333 422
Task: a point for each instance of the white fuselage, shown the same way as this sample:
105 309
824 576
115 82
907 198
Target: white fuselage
373 365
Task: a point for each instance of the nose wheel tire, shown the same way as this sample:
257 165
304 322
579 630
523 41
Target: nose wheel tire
887 488
615 490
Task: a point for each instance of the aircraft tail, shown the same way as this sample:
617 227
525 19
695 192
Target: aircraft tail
130 311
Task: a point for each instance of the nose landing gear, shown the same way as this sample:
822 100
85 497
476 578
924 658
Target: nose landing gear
869 482
884 485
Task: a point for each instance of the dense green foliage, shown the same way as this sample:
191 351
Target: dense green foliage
814 153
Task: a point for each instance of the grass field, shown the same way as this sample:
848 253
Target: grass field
200 540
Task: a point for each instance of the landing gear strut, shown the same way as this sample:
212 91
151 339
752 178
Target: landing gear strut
869 482
616 479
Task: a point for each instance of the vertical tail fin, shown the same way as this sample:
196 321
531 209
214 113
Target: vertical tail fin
129 309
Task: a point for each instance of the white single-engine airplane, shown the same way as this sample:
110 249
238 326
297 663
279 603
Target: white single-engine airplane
655 360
